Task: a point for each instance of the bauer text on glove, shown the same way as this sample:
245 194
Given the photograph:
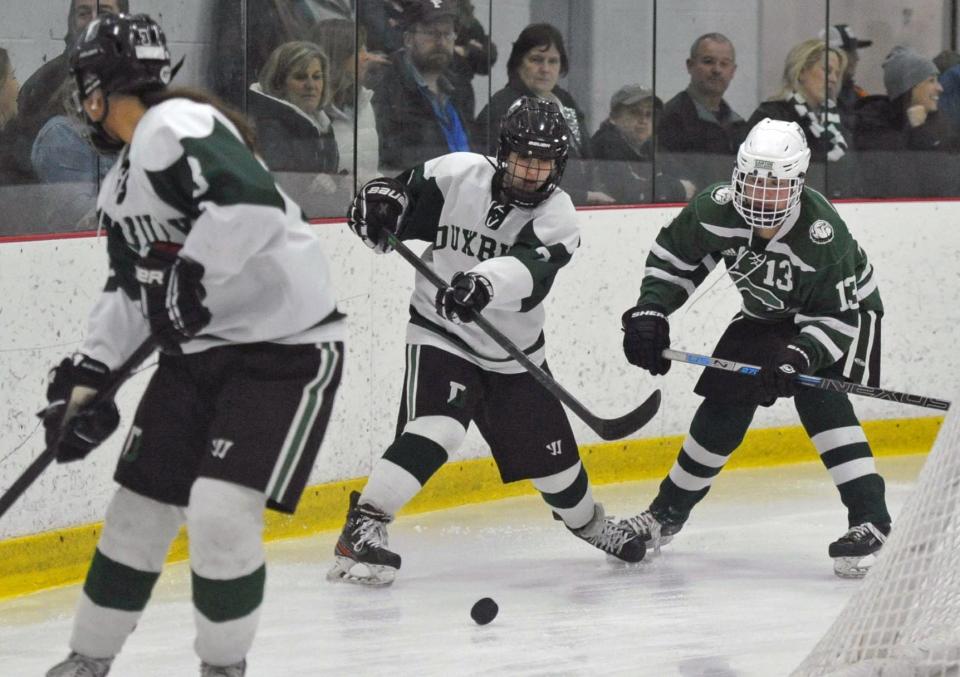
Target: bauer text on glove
380 204
172 295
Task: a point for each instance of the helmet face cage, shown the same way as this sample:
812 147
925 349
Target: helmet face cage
764 200
770 171
531 128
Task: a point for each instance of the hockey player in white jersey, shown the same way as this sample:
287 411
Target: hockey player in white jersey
500 233
209 256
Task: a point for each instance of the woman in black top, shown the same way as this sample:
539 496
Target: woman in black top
537 61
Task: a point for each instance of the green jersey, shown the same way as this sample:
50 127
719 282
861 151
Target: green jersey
812 271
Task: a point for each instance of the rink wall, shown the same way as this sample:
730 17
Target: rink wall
49 285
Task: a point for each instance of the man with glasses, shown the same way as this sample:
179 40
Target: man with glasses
418 117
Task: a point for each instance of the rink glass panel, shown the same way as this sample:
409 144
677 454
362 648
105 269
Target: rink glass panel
610 43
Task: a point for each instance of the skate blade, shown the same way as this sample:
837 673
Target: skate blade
853 567
346 570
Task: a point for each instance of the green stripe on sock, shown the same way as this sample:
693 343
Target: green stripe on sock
572 495
222 601
114 585
419 456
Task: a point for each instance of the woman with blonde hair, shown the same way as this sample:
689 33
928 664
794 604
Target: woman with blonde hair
286 106
812 75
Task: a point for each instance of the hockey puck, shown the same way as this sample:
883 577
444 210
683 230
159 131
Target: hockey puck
484 611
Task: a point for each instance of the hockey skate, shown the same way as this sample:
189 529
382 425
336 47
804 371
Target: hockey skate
603 533
856 551
235 670
653 531
78 665
361 552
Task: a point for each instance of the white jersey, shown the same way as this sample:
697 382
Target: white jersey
187 177
519 250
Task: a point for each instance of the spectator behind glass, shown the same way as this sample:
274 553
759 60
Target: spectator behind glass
537 61
39 96
812 73
270 23
948 63
13 169
907 119
698 122
842 38
623 144
418 117
61 152
338 38
294 134
473 54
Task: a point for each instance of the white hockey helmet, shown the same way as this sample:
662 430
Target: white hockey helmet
768 178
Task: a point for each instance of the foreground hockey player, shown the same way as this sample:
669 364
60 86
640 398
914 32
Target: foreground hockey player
810 305
212 258
500 234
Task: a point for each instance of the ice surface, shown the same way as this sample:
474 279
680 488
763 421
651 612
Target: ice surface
746 589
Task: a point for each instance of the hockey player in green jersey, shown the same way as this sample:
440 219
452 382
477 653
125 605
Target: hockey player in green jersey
810 306
211 258
500 233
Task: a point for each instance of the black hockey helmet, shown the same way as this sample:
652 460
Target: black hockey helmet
118 53
532 128
121 53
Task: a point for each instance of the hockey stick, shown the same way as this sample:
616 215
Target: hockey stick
41 462
606 428
831 384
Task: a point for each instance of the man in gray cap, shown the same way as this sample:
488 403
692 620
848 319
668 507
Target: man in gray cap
621 148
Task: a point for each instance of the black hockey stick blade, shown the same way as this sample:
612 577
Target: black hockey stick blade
607 429
40 463
618 428
831 384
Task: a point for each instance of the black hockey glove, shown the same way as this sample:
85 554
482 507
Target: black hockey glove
646 334
777 375
73 430
380 204
467 294
172 295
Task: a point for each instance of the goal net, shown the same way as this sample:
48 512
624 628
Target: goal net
904 620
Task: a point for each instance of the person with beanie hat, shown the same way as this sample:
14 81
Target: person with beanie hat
907 119
904 69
